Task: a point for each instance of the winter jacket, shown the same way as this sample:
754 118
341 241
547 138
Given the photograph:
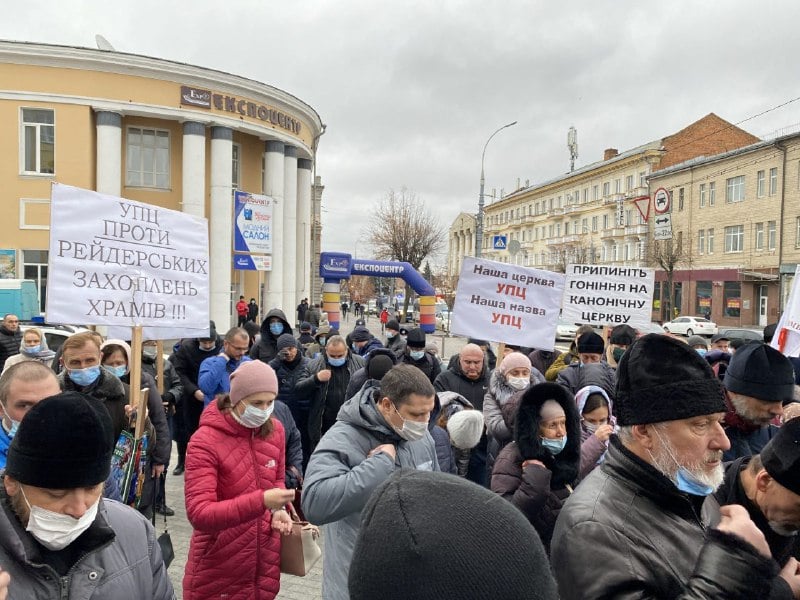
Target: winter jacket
9 344
444 451
628 532
396 344
44 355
215 376
578 375
497 432
108 390
340 479
173 388
294 447
731 492
746 438
454 380
233 552
187 360
541 360
559 364
428 364
372 344
326 397
539 492
451 403
359 378
267 347
593 450
288 374
5 442
117 558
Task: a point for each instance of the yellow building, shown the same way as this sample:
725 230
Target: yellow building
169 134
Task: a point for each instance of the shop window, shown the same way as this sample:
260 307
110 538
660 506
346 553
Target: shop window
147 158
703 298
731 299
38 141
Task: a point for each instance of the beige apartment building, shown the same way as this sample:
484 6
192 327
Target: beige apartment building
461 240
736 231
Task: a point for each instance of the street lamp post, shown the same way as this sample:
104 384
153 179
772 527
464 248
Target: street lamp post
479 228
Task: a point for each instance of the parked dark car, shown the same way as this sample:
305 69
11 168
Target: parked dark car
742 333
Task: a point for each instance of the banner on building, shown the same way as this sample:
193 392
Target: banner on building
608 295
252 262
8 264
507 303
114 261
252 223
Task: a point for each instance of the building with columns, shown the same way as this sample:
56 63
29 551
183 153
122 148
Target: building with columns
165 133
461 242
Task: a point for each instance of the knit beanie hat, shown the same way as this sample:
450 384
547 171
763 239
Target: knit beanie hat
662 379
286 340
64 442
762 372
405 546
697 340
360 334
212 333
781 456
305 326
622 335
515 360
393 325
378 366
590 343
250 378
415 338
465 428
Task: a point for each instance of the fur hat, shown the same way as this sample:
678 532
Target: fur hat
360 334
286 340
622 335
250 378
781 456
64 442
662 379
405 546
415 338
760 371
515 360
465 428
590 343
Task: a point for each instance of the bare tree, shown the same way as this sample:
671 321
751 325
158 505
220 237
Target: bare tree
567 254
668 255
403 229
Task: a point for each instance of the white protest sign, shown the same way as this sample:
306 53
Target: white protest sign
608 295
507 303
787 333
114 261
157 333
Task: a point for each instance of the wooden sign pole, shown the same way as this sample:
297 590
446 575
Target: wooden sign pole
160 367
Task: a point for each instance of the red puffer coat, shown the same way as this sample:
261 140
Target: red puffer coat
234 553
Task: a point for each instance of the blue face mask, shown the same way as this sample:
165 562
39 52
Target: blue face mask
84 377
554 446
118 371
276 328
701 351
337 362
687 483
32 349
416 354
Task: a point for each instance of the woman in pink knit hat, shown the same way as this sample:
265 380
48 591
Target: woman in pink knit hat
235 492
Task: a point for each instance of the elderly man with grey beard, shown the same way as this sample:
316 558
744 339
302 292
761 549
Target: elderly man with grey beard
633 527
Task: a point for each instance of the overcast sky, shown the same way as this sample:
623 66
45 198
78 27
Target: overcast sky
410 91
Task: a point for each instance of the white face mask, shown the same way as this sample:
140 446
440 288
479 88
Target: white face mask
253 417
411 431
518 383
56 531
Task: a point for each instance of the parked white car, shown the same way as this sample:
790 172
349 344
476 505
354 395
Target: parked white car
566 330
691 326
53 334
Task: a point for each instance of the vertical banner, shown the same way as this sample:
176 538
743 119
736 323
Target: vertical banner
606 295
507 303
252 223
114 261
8 264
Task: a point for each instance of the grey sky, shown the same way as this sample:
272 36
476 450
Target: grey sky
410 91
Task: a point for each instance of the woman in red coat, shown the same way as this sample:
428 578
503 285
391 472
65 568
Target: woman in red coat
235 492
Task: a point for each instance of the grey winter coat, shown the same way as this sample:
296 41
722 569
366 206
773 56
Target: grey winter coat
340 479
122 560
577 376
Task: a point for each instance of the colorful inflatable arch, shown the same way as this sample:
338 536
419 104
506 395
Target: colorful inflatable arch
335 266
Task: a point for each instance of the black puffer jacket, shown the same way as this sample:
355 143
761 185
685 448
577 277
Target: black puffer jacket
267 347
627 532
454 380
109 391
539 492
289 374
187 359
10 342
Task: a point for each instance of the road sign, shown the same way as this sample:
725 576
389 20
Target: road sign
499 242
662 227
514 247
661 201
643 206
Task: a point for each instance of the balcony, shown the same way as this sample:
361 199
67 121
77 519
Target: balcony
556 211
637 192
613 199
563 240
612 232
636 230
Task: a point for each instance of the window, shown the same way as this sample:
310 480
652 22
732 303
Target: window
734 190
585 195
558 229
551 203
760 181
236 152
759 241
629 216
773 181
731 298
797 232
596 190
606 188
680 198
549 231
710 240
595 220
615 252
605 221
617 186
771 235
642 178
38 141
701 241
584 225
34 266
702 195
629 183
712 193
703 298
147 158
734 238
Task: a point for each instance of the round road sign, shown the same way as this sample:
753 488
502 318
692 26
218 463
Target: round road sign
661 201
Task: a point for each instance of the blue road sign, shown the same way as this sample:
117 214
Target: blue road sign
499 242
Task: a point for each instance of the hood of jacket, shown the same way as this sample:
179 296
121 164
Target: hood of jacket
583 394
361 411
526 431
266 334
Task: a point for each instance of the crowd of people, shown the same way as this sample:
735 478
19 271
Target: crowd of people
627 466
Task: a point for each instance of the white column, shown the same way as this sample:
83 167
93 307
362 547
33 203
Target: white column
303 231
289 230
220 228
194 169
273 187
109 153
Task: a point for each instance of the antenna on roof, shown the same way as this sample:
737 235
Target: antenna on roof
572 144
103 44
